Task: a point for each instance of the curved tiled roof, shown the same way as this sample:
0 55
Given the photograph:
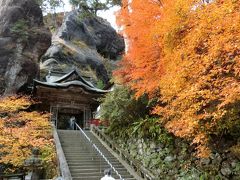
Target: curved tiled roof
60 79
62 83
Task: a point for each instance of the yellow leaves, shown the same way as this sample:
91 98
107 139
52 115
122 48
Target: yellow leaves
203 151
14 103
22 130
236 150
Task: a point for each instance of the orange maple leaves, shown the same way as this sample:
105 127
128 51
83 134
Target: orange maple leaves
186 55
138 19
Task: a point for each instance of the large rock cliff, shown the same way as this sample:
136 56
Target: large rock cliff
23 40
86 43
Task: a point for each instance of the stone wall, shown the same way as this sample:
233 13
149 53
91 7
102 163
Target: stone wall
177 161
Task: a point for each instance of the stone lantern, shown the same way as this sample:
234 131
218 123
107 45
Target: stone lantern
34 164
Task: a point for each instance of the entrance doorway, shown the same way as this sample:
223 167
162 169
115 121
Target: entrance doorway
80 119
63 121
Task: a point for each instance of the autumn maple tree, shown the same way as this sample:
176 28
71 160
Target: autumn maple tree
138 19
20 131
186 54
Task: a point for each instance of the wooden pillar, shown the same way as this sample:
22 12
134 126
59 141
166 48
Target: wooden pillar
88 116
57 118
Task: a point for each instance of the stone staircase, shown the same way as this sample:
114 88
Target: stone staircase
83 161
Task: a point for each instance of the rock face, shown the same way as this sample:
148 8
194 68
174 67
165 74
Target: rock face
84 42
23 40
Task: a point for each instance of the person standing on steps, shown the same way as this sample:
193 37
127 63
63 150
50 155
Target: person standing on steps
72 122
107 175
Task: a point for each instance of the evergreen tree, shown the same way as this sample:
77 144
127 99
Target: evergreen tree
93 6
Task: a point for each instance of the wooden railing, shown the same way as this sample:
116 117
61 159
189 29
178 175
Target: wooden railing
135 164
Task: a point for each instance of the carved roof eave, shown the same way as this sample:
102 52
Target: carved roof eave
66 85
61 79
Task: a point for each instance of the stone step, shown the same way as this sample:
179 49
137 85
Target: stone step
87 149
85 154
100 174
91 163
95 169
96 178
97 166
105 166
82 147
89 158
72 142
77 153
84 162
73 150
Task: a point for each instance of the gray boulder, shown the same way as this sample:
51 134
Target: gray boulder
85 43
23 40
226 169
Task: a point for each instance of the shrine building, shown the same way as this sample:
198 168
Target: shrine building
67 96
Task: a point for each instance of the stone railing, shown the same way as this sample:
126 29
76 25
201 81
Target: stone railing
63 169
20 176
135 164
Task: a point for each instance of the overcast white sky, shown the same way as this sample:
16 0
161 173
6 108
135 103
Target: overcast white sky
109 14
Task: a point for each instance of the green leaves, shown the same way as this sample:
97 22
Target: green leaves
20 30
50 5
121 108
94 6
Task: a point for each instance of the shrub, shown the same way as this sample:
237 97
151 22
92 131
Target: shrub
121 108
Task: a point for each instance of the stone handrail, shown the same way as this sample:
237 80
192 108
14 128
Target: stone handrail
20 175
137 165
62 162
